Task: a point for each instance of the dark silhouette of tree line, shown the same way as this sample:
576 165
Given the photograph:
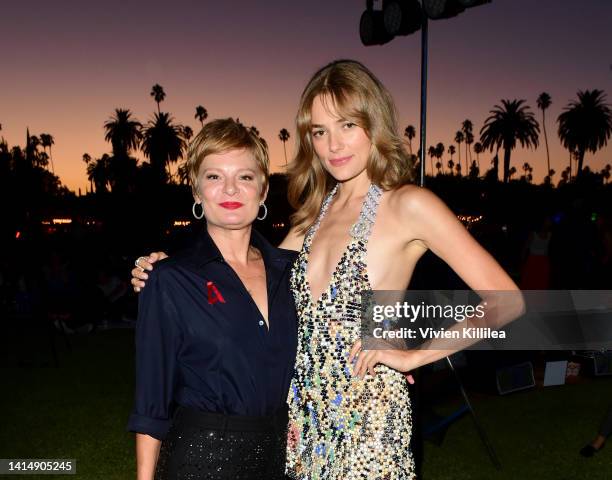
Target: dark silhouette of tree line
162 141
585 125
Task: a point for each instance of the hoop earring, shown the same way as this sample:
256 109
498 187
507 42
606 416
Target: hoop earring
265 212
193 210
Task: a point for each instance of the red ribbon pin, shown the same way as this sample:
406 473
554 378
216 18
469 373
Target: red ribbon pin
214 295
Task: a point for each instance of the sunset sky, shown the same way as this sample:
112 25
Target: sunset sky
66 65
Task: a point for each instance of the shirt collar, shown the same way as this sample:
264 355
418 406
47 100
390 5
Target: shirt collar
207 251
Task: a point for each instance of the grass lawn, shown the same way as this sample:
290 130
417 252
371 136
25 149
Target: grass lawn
80 410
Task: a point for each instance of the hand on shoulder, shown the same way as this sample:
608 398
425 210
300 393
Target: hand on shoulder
144 265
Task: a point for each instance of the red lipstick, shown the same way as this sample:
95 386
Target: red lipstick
231 205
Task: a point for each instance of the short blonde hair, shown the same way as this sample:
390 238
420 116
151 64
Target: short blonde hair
361 98
223 135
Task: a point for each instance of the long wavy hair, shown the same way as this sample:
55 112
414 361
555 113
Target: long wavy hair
361 98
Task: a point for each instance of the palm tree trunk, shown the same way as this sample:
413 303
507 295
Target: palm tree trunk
51 158
285 149
546 142
507 153
459 152
580 161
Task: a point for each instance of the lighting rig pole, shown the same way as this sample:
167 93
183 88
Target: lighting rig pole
404 17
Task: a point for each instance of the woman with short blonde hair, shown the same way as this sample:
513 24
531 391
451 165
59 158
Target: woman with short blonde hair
214 346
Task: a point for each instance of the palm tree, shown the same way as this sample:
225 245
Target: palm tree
478 149
450 164
508 123
431 151
440 150
32 148
469 140
527 169
254 129
187 133
548 179
410 133
544 102
467 128
511 172
158 94
87 161
451 151
586 124
162 143
41 160
123 132
438 167
47 140
283 137
458 169
474 170
201 114
459 138
97 173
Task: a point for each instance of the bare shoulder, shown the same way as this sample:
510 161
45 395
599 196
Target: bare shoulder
419 209
411 200
293 240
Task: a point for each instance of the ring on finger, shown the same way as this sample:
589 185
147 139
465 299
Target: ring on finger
136 263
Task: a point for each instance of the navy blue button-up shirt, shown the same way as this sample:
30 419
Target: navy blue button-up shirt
214 356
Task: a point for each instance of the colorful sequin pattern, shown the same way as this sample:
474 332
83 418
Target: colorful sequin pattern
341 427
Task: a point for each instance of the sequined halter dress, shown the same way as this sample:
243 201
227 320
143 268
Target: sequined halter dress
342 427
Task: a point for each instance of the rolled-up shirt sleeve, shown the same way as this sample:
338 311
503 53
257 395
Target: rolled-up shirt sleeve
157 345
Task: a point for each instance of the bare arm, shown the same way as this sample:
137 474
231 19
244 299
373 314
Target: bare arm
438 227
429 220
147 450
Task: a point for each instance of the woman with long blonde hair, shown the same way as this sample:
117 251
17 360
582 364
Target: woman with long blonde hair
360 225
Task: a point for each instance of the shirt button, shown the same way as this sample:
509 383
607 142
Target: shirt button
261 322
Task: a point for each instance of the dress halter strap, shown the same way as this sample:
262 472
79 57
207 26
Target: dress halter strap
362 228
324 206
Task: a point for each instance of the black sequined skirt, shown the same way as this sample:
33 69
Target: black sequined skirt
202 445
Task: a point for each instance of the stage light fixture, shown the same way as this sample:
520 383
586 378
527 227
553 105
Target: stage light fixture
372 28
402 17
438 9
472 3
